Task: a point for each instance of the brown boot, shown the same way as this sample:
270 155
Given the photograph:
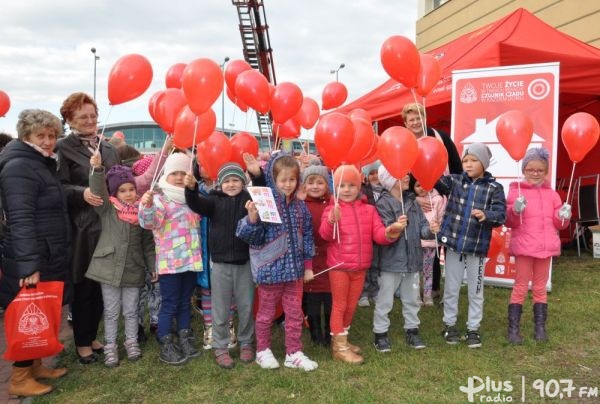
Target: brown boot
40 371
23 384
353 348
341 351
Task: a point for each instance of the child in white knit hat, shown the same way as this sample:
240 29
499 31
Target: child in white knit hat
177 235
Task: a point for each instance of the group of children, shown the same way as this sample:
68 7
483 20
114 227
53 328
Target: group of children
315 261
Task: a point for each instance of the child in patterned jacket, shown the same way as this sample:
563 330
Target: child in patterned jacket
178 258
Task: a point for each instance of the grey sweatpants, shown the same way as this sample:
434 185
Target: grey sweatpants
456 265
114 298
409 291
231 282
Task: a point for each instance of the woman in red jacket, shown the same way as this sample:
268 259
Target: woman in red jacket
535 214
358 226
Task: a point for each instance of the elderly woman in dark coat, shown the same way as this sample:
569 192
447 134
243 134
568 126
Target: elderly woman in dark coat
36 241
80 112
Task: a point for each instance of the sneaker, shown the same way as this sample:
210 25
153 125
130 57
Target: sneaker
298 360
232 337
247 353
169 352
364 302
111 356
473 339
186 344
266 360
207 344
413 340
223 359
382 343
70 318
427 300
451 335
133 350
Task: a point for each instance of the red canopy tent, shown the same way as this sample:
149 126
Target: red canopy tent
519 38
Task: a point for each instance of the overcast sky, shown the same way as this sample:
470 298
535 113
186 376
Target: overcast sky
45 46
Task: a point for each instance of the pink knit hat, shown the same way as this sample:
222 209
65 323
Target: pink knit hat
140 166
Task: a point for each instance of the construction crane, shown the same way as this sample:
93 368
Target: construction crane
257 49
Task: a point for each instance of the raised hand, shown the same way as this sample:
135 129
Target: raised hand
96 160
252 211
147 199
252 164
189 181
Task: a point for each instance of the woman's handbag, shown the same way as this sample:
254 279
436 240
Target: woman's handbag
32 322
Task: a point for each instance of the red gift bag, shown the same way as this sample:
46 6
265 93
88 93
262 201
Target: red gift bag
32 322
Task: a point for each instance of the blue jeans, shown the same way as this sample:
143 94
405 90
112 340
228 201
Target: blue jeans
176 293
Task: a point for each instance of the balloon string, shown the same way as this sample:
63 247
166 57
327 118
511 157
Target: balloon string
403 213
336 196
194 141
424 121
158 172
437 247
569 189
420 116
519 188
102 134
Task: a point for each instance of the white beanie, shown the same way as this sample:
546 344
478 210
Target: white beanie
480 151
176 162
385 178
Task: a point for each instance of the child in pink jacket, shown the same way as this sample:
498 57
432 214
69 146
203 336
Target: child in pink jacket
359 225
535 214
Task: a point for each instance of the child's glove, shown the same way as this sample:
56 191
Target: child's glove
565 211
520 204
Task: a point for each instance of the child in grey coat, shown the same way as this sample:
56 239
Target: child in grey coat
401 262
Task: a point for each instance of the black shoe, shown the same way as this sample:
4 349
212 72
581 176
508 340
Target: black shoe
186 344
87 360
451 335
382 342
169 352
413 340
473 339
141 335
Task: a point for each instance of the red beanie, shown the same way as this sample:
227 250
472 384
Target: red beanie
347 173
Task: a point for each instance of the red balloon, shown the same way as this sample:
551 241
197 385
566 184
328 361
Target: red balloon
429 74
118 135
398 150
129 78
334 135
372 153
186 124
253 89
232 71
580 134
202 83
240 104
290 129
285 101
4 103
168 106
360 113
497 242
213 153
363 140
514 130
152 104
334 95
400 59
243 142
431 162
174 75
308 114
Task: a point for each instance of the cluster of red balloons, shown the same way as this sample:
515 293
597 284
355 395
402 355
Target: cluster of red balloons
402 62
218 149
4 103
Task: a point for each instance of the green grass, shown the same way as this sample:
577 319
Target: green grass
432 375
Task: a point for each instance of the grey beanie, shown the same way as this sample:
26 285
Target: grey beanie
480 151
374 166
536 153
315 168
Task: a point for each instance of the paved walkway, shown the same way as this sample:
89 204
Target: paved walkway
66 336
